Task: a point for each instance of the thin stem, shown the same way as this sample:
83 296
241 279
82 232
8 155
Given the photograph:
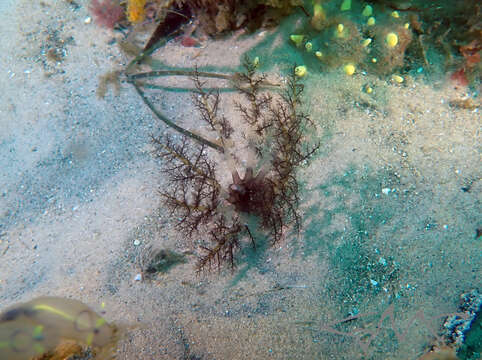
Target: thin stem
159 73
147 52
251 236
191 73
168 122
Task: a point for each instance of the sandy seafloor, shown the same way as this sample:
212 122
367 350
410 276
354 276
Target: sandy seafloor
78 188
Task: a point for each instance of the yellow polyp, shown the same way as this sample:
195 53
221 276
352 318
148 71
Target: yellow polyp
406 25
135 11
374 60
392 40
340 31
309 46
300 71
318 21
319 54
368 89
371 21
318 10
397 78
366 42
256 62
297 39
395 14
349 69
367 11
346 5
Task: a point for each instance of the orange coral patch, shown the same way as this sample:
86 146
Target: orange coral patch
135 11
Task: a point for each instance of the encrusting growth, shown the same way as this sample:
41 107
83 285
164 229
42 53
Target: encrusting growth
268 191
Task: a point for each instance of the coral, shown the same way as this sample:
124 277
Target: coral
389 48
195 193
461 335
67 349
135 11
318 21
106 13
213 16
471 67
452 32
345 43
218 16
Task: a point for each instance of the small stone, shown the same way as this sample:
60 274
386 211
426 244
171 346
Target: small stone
88 20
373 282
138 277
137 242
386 191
